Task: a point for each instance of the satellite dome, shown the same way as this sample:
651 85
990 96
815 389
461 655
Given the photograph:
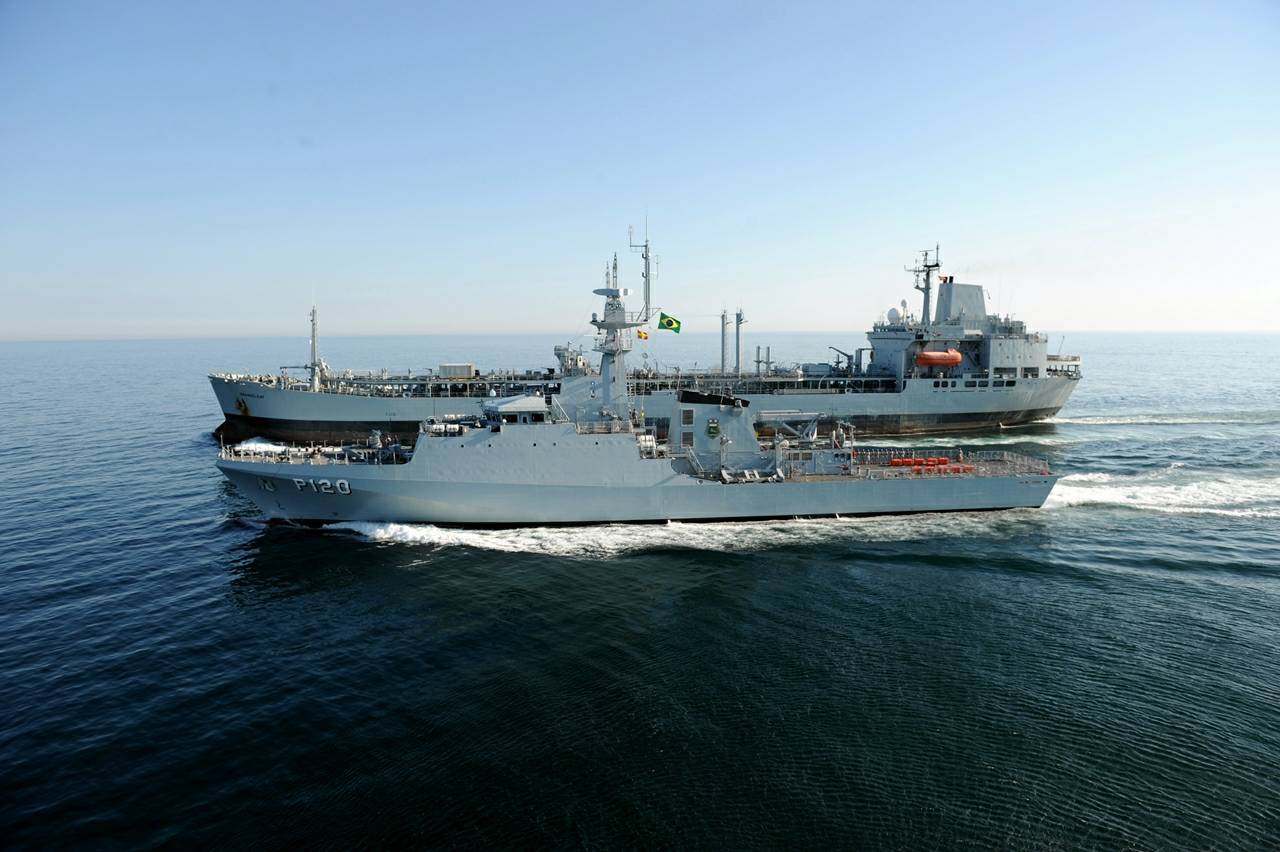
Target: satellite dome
893 315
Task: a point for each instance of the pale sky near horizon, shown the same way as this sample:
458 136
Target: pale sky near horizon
181 169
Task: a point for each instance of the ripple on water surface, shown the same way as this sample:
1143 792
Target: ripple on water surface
1100 673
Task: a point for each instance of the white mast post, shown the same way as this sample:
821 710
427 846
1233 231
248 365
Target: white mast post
315 353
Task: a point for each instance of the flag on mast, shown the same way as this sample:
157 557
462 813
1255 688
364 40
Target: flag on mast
670 323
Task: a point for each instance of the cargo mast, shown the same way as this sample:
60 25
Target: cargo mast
315 366
315 353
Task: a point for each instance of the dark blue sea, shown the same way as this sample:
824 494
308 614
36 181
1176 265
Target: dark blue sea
1103 673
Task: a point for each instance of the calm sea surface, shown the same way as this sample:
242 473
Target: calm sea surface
1102 673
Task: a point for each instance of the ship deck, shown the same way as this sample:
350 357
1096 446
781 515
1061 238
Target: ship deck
815 462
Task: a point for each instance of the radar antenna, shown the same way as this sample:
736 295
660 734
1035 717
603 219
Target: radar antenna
925 268
647 275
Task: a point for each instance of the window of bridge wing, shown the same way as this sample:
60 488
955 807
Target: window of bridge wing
686 417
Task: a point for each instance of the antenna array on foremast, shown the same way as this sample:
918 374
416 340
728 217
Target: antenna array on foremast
647 273
926 267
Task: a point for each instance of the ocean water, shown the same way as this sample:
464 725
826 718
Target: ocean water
1102 673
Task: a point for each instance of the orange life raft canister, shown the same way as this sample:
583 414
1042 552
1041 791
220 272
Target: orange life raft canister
950 358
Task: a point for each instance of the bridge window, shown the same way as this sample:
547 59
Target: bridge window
971 384
686 417
982 384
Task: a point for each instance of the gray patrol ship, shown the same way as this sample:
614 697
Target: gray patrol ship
953 367
587 456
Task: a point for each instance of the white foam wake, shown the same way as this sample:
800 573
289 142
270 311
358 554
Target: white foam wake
1019 435
1206 419
263 445
260 445
602 542
1174 490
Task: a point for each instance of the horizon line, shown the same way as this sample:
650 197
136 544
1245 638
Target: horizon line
161 339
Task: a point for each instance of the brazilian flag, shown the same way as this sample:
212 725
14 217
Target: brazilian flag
668 322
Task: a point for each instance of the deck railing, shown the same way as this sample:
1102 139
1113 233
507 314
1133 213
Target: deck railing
317 455
603 427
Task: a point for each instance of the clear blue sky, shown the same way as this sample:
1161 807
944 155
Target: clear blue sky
189 169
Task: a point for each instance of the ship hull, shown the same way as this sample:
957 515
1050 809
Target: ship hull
534 476
251 409
453 503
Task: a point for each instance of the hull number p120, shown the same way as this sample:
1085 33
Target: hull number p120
323 486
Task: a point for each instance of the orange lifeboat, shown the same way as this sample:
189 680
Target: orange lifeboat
950 358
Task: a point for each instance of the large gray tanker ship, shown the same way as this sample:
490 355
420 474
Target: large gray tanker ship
581 458
953 367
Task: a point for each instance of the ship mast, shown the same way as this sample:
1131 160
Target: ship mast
316 366
615 340
315 354
926 267
644 254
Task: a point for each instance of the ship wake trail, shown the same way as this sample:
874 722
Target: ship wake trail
262 445
613 540
1222 418
1175 489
